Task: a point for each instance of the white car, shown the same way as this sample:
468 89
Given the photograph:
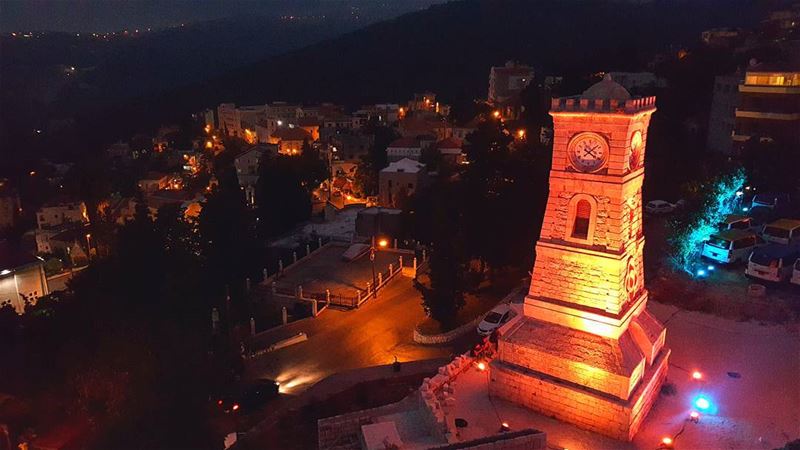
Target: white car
796 273
495 318
657 207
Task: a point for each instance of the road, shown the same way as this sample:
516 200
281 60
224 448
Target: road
338 340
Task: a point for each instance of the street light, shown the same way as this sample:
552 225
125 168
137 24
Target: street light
88 246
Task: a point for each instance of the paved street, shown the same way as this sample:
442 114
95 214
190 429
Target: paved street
341 340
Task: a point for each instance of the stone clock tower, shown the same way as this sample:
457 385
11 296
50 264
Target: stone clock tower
587 351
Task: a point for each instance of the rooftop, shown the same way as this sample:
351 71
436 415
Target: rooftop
606 90
404 165
291 134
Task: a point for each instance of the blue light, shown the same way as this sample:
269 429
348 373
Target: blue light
710 268
745 209
702 403
701 273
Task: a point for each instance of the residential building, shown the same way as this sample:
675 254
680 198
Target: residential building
229 121
282 110
154 181
70 241
22 278
451 150
241 121
60 212
9 204
722 116
769 107
399 180
310 124
290 140
506 84
350 146
402 148
247 166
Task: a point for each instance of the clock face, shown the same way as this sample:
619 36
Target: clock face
636 150
588 152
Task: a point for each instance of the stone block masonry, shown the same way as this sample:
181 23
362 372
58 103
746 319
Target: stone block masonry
581 406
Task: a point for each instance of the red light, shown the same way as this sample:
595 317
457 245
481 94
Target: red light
219 402
666 441
694 415
697 375
235 406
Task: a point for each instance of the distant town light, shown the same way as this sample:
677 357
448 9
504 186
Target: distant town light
496 114
504 427
521 133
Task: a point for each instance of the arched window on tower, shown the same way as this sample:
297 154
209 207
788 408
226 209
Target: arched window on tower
583 214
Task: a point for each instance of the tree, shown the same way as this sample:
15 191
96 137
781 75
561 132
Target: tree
227 241
703 212
448 262
366 180
282 194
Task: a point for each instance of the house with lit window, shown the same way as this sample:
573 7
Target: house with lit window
153 181
290 140
61 212
506 84
22 278
769 107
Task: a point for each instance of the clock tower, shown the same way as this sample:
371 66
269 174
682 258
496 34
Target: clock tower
586 350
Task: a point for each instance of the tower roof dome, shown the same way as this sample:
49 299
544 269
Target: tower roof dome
606 90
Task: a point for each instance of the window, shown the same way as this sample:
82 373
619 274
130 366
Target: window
411 185
583 212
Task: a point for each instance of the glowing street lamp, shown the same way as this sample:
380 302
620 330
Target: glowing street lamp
481 366
702 403
496 114
666 443
697 375
383 243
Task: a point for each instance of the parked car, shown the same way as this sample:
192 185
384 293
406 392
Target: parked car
657 207
737 222
783 231
248 396
773 262
494 319
731 246
771 200
796 273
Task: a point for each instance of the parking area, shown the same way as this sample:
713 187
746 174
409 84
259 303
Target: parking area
327 269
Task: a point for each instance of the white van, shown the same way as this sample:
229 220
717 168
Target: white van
773 262
783 231
730 246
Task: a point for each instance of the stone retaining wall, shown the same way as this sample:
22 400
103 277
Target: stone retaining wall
444 338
